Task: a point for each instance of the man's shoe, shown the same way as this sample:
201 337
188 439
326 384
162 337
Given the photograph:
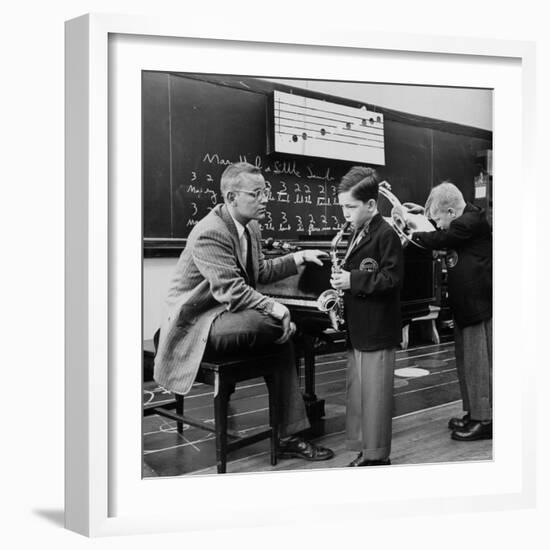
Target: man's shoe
360 461
296 447
474 431
459 423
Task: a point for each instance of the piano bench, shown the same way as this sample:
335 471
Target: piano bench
334 337
431 318
223 374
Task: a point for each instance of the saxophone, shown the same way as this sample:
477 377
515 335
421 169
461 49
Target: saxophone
332 301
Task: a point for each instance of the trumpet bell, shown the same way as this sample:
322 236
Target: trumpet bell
397 219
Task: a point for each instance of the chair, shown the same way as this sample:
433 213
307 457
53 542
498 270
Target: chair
431 317
223 375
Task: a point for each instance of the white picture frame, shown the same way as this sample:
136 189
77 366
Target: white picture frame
105 494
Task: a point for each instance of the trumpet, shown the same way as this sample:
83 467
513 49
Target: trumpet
331 301
397 219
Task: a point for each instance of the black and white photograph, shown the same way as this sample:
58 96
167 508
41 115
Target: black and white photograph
317 274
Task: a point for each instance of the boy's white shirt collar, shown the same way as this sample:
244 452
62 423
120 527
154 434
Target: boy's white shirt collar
365 227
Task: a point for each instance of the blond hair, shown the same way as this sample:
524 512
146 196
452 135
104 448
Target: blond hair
443 196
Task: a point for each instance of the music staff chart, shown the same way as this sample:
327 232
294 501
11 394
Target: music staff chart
311 127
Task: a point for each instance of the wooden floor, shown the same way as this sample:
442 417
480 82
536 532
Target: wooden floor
426 395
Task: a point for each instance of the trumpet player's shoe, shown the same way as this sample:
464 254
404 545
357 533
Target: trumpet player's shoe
360 461
456 423
474 431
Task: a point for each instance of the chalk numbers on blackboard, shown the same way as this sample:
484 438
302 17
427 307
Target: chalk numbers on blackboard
270 197
284 225
315 200
267 224
302 196
200 188
312 224
282 195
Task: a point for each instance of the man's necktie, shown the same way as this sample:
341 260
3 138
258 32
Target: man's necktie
249 268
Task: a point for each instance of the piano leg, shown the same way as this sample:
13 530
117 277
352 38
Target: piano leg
315 407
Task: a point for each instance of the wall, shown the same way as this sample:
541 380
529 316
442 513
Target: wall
464 106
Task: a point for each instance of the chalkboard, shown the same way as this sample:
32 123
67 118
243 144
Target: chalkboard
195 125
211 126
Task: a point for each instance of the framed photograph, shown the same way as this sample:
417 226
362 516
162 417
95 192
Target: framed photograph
119 231
304 136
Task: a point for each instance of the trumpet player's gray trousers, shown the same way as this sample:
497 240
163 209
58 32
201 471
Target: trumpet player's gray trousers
369 402
473 350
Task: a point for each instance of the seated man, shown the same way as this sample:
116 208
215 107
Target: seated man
214 310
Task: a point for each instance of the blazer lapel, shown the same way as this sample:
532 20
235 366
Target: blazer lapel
375 222
364 240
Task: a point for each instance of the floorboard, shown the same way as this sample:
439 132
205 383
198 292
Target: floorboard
418 438
422 407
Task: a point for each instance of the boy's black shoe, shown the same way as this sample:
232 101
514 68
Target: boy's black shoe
360 461
473 431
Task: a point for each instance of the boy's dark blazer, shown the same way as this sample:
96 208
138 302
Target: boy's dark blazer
469 246
372 305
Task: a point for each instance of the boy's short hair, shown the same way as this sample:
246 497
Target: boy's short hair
231 176
362 182
443 196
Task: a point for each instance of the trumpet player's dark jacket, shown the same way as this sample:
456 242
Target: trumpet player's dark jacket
372 304
468 243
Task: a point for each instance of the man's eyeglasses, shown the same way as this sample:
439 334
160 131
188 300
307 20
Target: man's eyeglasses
257 195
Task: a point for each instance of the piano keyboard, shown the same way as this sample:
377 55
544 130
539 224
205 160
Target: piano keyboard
296 302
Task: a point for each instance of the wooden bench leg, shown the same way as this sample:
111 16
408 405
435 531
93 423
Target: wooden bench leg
435 334
221 401
273 387
179 410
